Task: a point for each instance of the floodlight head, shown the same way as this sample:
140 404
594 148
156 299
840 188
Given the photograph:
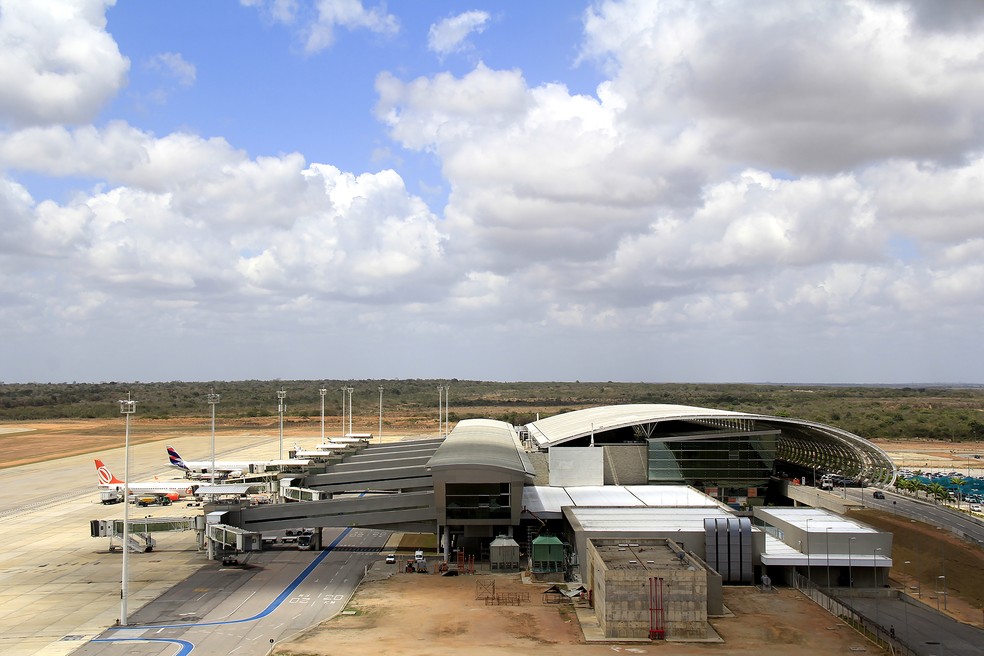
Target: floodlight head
127 406
323 391
281 394
212 398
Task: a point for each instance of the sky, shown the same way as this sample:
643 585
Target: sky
655 191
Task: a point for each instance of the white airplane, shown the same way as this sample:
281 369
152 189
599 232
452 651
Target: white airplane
201 468
171 490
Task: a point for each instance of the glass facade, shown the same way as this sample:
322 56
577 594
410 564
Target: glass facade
478 501
731 460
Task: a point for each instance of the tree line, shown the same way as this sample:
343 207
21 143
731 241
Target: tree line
938 413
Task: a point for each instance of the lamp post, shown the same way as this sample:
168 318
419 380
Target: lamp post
942 581
440 411
809 570
826 532
874 563
212 399
447 395
342 432
380 413
281 406
127 408
850 571
349 390
322 392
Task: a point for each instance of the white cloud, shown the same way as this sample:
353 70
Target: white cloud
57 63
744 188
176 67
451 34
837 85
317 23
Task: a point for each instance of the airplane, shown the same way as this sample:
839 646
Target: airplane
223 468
172 491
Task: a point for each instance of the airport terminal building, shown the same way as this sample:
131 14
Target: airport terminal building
577 491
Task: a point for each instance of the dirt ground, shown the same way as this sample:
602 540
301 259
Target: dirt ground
23 443
431 615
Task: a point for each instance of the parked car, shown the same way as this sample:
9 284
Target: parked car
391 559
878 494
975 507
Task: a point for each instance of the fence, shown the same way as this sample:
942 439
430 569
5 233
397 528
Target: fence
860 622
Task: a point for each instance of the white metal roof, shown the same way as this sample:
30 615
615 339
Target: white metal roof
547 500
603 495
234 488
646 519
485 443
570 425
815 520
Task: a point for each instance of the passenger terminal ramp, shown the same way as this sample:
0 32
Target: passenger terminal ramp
385 486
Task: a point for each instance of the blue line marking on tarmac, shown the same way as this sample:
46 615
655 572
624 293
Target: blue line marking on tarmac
186 647
266 611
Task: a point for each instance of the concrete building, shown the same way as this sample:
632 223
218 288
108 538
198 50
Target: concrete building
629 473
647 589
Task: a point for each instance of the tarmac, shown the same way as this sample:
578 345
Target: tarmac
60 587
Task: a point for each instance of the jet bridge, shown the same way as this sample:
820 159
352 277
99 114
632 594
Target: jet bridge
410 511
139 529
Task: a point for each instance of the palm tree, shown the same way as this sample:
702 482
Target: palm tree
958 482
937 490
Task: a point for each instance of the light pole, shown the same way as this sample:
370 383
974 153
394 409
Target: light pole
809 571
942 581
281 406
905 575
212 399
874 563
127 408
380 413
440 410
826 532
850 571
322 392
342 432
447 395
349 390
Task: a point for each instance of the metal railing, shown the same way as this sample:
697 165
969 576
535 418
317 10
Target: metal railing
861 623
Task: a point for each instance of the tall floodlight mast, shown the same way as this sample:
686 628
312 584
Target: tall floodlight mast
380 413
343 411
322 392
281 407
212 399
447 419
349 390
440 410
127 408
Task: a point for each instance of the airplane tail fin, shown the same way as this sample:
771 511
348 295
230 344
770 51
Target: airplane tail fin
175 459
106 477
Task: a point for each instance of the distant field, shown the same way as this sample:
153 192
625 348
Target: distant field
936 413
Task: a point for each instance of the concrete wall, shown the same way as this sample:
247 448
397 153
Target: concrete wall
621 596
572 466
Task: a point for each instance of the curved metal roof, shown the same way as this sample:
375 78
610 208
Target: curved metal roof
802 442
482 443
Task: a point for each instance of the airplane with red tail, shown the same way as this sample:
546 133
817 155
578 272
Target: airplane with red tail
171 490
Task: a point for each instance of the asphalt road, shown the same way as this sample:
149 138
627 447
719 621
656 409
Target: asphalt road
243 611
961 524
